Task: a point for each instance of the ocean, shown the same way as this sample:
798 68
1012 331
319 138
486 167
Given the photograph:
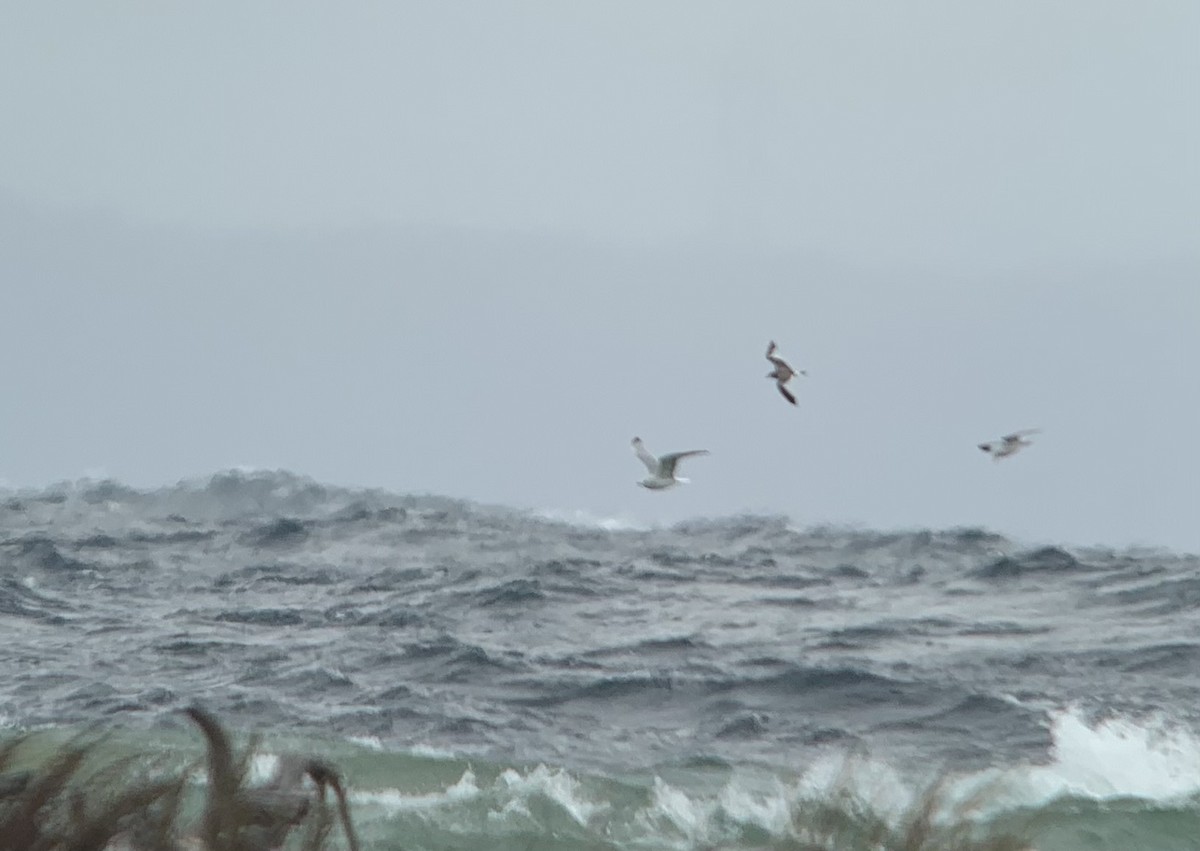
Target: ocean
489 678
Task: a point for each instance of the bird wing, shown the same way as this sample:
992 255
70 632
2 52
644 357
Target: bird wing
787 395
1017 435
666 464
649 460
778 361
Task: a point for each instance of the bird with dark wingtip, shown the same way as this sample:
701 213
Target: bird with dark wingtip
1010 444
782 373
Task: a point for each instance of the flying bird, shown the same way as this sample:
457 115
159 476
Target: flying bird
1010 444
662 470
782 373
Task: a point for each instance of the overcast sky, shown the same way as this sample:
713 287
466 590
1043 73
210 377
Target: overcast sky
473 248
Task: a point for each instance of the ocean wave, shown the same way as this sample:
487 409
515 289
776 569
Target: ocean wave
1153 758
588 520
1040 561
266 575
19 599
524 640
283 532
397 616
1116 783
836 801
260 617
843 795
286 498
40 552
1162 596
515 592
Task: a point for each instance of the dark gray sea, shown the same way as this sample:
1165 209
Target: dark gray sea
491 679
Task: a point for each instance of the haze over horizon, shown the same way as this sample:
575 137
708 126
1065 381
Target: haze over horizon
474 250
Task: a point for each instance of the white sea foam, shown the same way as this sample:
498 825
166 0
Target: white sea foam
263 767
394 801
372 743
553 783
706 819
688 815
767 803
508 796
432 752
587 519
1152 758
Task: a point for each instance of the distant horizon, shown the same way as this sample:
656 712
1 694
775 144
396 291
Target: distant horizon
579 516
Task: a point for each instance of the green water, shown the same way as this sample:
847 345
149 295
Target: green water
430 801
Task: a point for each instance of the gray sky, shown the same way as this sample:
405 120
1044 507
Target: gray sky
472 249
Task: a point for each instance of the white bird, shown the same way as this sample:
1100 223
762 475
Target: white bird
782 373
662 470
1010 444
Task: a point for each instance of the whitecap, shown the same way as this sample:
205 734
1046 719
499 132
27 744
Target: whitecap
586 519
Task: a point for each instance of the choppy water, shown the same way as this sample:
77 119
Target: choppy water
491 679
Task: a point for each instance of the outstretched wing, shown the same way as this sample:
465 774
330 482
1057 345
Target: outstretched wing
783 369
666 464
786 393
1017 435
649 460
778 361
